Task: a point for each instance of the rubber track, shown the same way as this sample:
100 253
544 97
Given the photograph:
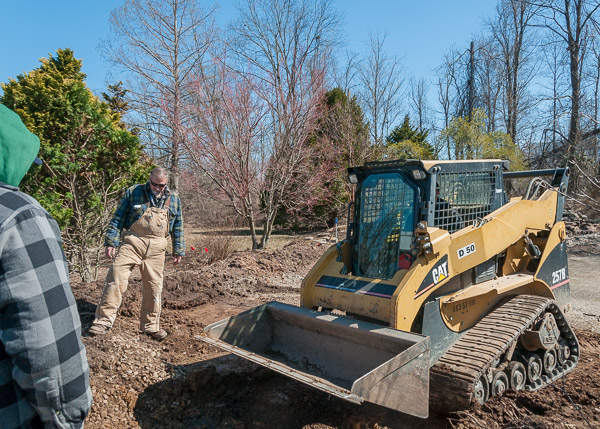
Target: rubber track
453 377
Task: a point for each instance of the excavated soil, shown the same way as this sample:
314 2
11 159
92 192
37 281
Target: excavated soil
185 383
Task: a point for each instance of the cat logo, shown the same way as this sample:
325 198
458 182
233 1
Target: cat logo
437 274
440 273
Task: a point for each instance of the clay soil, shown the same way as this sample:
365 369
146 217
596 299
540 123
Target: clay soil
185 383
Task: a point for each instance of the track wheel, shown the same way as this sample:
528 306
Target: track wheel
564 353
517 375
534 367
549 361
499 383
481 390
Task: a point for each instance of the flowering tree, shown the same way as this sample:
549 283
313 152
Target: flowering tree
227 139
232 142
285 46
254 109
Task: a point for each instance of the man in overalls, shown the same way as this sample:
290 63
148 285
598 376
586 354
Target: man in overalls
147 214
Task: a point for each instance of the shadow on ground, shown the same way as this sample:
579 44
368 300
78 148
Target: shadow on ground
86 309
231 392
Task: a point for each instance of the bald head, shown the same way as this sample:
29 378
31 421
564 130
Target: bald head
159 173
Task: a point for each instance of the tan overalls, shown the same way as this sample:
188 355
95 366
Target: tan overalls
144 244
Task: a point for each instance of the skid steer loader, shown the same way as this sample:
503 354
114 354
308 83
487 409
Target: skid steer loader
445 292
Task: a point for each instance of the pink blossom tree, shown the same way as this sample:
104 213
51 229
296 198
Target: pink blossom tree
285 46
255 108
227 139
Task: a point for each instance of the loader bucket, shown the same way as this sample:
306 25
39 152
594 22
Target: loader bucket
353 360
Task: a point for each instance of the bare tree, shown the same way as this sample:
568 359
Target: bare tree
285 46
449 90
510 28
343 129
595 74
489 77
553 106
570 21
345 74
417 97
381 81
158 43
227 139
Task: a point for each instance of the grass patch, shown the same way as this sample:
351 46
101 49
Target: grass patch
238 239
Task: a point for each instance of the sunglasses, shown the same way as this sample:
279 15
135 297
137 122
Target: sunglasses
157 185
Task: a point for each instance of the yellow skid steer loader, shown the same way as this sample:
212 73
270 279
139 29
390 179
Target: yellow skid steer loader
444 292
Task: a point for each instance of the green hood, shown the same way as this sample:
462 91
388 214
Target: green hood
18 147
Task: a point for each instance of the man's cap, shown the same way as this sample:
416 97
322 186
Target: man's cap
18 147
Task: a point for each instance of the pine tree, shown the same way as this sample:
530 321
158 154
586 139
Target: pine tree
407 142
88 156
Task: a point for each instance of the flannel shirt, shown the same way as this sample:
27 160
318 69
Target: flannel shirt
134 203
44 373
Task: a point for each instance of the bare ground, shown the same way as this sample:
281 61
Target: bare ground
184 383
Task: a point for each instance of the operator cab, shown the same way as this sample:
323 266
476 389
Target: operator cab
393 196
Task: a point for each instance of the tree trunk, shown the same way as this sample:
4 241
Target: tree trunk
253 235
176 133
267 230
174 165
574 123
596 94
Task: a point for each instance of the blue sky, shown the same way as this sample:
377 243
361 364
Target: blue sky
420 32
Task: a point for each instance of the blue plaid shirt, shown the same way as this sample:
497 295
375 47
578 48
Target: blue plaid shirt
44 373
133 204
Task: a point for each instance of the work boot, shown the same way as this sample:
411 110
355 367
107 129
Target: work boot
159 335
98 330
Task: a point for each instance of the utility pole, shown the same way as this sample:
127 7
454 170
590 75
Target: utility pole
471 82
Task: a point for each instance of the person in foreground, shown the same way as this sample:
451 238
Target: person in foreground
44 373
147 214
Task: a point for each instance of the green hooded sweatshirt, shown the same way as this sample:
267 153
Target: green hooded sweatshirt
18 147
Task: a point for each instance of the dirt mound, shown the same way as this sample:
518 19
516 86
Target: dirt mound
184 383
243 278
583 234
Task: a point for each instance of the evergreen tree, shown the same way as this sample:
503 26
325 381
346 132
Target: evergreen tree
115 98
407 142
88 156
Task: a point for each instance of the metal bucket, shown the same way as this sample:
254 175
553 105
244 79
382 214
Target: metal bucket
353 360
